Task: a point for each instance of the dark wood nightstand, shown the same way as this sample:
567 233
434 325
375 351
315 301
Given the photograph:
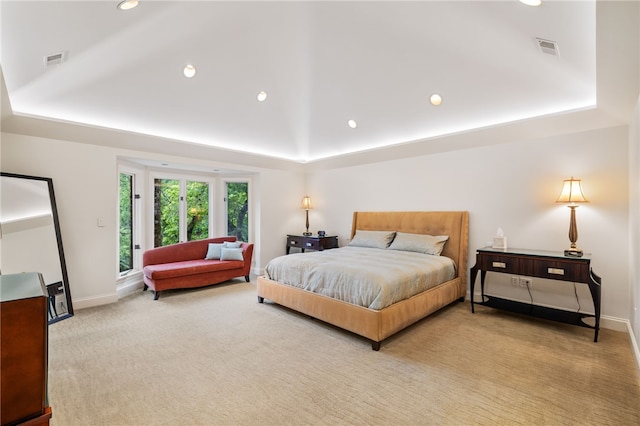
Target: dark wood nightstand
542 264
313 242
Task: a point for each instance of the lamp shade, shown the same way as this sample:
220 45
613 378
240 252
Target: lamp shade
306 203
572 192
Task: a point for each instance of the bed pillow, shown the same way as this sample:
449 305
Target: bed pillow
213 253
232 244
373 239
231 254
428 244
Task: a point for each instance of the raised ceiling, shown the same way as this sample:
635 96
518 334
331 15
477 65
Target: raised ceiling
320 63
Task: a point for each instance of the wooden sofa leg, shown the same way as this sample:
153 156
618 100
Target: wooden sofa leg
156 295
145 287
246 277
375 346
260 299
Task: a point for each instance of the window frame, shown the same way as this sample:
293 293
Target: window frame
182 177
225 210
136 218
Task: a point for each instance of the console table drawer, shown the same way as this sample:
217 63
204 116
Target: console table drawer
555 270
497 263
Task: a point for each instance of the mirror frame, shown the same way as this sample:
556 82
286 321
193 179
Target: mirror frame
56 225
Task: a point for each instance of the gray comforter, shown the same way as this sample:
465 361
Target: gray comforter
370 277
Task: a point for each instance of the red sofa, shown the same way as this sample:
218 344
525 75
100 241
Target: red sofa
183 265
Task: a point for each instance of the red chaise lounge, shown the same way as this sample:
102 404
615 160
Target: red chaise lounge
183 265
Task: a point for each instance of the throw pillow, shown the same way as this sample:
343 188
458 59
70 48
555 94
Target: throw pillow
231 254
373 239
213 253
420 243
234 244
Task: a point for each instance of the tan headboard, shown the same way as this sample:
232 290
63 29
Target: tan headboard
454 224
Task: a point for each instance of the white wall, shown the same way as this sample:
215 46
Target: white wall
85 180
513 186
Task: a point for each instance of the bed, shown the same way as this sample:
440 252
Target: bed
378 324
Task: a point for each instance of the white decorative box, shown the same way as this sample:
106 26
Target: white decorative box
500 243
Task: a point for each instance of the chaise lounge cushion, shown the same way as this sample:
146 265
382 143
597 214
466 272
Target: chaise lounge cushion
188 267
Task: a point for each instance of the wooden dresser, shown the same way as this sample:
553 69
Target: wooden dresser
24 347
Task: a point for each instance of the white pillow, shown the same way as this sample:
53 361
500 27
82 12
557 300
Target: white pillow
373 239
213 253
420 243
231 254
234 244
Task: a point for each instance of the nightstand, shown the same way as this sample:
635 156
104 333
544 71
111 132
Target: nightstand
313 242
541 264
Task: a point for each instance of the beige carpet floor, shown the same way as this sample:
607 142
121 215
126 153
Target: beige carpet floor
214 356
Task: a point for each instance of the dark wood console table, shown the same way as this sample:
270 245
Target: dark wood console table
538 264
312 242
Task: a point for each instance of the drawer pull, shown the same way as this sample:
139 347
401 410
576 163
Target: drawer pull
308 244
499 265
555 271
293 243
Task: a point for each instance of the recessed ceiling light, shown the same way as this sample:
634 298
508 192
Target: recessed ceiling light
531 2
262 96
352 124
189 71
127 4
435 99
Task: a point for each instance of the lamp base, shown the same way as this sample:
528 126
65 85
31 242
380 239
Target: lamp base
573 252
307 234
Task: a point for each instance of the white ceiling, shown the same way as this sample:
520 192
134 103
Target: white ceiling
321 64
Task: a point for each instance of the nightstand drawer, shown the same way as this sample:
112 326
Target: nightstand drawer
498 263
295 241
310 242
555 270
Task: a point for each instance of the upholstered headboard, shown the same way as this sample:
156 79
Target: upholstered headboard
455 224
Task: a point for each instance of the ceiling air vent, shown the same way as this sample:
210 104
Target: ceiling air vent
55 59
548 47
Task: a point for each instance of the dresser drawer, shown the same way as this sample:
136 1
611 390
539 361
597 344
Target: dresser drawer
555 269
498 263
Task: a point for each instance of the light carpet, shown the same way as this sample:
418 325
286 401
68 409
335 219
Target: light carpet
214 356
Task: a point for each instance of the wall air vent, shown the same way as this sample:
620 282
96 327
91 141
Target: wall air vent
548 47
55 59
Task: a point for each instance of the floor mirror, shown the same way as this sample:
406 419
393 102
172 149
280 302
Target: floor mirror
31 239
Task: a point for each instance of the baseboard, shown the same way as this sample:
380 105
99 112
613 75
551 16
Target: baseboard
634 343
95 301
129 284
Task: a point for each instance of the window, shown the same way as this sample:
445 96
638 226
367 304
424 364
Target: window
126 222
181 210
237 201
197 210
129 221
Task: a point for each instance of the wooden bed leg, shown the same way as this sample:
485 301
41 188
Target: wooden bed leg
156 295
375 346
145 287
246 277
260 299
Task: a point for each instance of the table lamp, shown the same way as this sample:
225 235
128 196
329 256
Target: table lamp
306 205
572 194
